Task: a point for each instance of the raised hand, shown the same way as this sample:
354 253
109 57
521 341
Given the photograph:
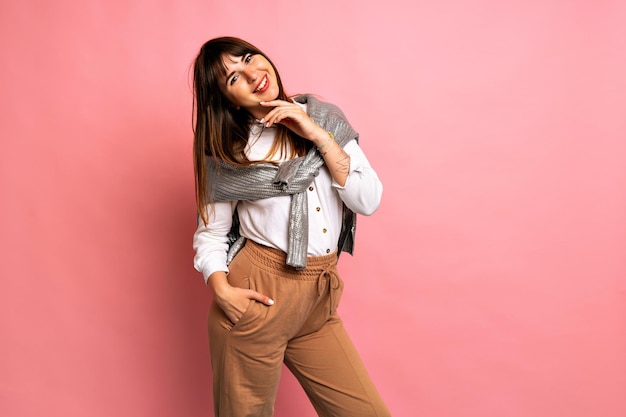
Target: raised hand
295 119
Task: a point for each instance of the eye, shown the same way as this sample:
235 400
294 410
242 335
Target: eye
233 79
247 58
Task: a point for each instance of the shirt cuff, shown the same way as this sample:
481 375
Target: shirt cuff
214 267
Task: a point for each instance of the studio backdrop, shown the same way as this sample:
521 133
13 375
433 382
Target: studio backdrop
490 283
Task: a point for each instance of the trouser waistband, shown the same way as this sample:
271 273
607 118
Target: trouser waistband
274 259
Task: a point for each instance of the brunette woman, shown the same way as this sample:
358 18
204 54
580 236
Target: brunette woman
279 181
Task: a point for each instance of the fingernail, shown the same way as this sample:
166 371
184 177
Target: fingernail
261 102
271 302
267 124
261 121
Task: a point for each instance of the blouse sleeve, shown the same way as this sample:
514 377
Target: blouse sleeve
211 241
363 190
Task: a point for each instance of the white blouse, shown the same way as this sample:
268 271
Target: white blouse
266 221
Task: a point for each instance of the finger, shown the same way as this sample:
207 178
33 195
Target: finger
235 308
234 313
279 104
269 116
274 117
260 298
279 114
273 103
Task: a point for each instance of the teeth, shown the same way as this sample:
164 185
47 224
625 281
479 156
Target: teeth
261 85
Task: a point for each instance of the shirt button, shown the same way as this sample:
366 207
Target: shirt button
324 230
311 188
318 208
327 250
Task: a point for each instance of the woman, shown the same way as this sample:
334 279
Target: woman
278 184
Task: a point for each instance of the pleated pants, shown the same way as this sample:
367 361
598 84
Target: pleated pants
302 329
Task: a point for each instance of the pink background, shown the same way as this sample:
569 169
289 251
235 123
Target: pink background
492 281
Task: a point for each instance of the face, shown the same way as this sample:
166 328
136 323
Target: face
249 80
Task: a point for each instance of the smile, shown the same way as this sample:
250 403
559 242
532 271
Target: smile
263 85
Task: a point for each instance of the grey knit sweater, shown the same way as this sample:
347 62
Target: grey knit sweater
229 183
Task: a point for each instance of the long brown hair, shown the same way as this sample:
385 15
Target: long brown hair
221 130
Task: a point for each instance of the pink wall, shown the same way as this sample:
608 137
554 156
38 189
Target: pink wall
492 282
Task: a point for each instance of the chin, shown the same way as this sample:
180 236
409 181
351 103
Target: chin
274 95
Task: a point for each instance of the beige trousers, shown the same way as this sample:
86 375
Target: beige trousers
302 329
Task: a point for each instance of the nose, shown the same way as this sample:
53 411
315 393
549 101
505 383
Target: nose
250 74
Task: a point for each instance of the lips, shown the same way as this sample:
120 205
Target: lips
263 85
